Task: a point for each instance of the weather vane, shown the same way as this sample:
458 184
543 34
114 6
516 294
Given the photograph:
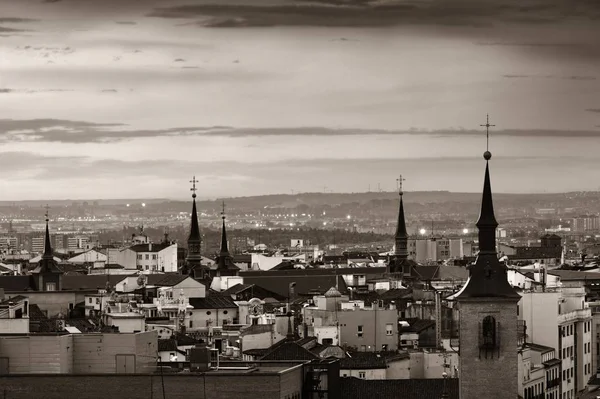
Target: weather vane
193 189
47 212
400 180
223 211
487 155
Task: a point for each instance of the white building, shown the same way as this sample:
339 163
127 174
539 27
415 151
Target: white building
148 258
89 256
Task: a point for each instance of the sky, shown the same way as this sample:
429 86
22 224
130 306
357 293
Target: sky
130 99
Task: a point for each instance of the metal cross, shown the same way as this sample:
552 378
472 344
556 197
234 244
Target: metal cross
487 132
47 209
399 181
223 211
193 181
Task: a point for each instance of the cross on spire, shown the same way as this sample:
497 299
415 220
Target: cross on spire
223 210
487 132
47 210
193 189
399 180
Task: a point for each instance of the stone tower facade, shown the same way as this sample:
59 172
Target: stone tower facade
487 307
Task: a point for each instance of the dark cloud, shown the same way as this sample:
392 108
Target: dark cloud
126 23
4 29
597 110
65 131
31 91
364 13
179 60
15 20
572 77
110 91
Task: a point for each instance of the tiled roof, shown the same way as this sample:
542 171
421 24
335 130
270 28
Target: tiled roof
304 283
538 347
355 388
16 283
14 299
418 325
213 302
35 313
289 350
146 247
170 280
426 273
90 281
167 345
566 275
371 360
256 352
396 293
236 289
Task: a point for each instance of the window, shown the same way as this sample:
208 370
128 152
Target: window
208 312
488 331
50 286
359 330
147 256
362 374
139 257
90 300
389 329
191 324
224 312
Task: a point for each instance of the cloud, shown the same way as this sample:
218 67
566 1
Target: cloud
66 131
179 60
15 20
377 14
31 91
126 23
572 77
597 110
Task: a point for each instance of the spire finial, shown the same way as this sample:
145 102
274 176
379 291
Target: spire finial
399 180
47 213
487 154
223 210
193 189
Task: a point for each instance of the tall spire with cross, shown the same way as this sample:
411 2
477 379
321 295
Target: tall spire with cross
47 242
487 276
194 256
224 244
401 236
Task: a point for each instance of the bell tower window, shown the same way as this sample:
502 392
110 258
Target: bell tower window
489 337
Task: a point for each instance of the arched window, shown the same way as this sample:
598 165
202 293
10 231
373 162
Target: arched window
488 330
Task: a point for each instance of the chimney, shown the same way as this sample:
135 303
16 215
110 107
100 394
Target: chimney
149 247
1 294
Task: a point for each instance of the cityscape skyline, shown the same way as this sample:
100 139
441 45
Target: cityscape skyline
141 96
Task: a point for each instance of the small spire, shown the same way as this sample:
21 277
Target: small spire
47 244
487 223
194 257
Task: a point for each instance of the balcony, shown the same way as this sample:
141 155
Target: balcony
576 315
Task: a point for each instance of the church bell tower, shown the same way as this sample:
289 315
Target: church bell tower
487 307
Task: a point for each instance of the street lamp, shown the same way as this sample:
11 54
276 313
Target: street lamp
422 231
465 231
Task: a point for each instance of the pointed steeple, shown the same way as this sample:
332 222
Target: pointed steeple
224 245
487 277
487 223
194 256
401 237
47 244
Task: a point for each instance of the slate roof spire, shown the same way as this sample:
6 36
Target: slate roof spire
194 256
401 237
224 245
487 277
47 243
